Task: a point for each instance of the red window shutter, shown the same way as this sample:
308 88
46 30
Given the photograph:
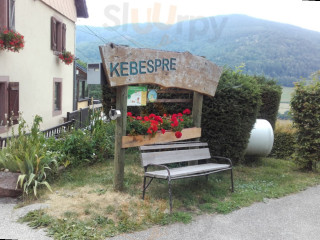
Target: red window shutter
53 34
3 14
64 32
13 95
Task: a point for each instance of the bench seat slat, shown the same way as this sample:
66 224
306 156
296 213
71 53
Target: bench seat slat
167 157
173 145
188 170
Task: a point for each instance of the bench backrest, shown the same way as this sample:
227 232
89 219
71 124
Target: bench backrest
174 153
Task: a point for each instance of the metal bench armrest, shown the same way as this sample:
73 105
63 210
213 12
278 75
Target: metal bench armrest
228 160
158 165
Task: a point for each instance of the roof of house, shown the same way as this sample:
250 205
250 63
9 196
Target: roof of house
81 68
82 10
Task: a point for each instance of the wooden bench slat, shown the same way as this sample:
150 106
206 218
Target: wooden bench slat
167 157
188 170
173 145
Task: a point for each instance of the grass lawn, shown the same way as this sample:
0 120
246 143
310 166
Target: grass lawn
84 205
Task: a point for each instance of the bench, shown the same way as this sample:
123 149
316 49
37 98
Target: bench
180 155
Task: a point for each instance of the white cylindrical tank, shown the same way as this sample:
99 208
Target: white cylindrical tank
261 139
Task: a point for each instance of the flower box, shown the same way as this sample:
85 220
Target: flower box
140 140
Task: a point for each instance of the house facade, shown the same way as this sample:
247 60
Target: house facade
34 81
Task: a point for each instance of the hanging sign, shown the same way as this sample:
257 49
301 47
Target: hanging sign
137 96
129 66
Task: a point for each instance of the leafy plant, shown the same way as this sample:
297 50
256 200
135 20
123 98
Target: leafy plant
305 109
27 154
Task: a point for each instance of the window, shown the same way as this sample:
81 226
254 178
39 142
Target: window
58 35
7 14
57 96
9 102
83 89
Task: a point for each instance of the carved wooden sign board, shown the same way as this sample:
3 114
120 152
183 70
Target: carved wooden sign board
129 66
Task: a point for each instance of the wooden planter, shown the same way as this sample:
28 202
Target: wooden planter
140 140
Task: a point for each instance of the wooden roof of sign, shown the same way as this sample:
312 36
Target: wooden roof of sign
128 66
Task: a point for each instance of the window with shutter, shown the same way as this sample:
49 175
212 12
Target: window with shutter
58 35
13 100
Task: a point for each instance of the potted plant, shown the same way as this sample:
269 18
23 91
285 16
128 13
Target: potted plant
11 40
66 57
142 130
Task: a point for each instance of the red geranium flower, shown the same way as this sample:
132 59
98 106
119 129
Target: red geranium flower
178 134
139 118
187 111
146 118
129 114
152 115
163 131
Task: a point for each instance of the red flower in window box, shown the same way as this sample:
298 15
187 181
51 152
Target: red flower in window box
66 57
11 40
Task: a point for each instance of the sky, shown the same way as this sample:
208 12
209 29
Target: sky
305 14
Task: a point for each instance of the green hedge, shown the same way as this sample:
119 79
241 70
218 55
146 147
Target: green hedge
284 141
305 108
228 117
270 98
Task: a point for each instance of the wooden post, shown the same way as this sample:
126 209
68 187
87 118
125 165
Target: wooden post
196 115
119 153
197 109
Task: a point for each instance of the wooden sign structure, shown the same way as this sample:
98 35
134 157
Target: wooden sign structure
125 66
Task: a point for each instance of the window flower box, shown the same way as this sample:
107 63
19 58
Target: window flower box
11 41
159 129
168 136
66 57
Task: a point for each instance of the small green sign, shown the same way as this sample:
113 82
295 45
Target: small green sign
137 96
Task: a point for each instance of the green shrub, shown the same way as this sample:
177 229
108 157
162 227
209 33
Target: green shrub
284 141
228 117
305 108
270 99
28 154
82 147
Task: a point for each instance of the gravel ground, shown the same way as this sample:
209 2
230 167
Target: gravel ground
293 217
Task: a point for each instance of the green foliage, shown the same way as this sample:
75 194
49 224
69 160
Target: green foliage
95 91
305 108
228 117
270 98
86 146
284 141
29 155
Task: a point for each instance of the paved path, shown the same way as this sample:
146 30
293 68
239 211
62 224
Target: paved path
10 229
295 217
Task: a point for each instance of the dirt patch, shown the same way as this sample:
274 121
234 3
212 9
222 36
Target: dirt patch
87 201
90 202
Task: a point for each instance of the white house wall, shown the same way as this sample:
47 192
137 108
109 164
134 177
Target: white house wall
35 66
